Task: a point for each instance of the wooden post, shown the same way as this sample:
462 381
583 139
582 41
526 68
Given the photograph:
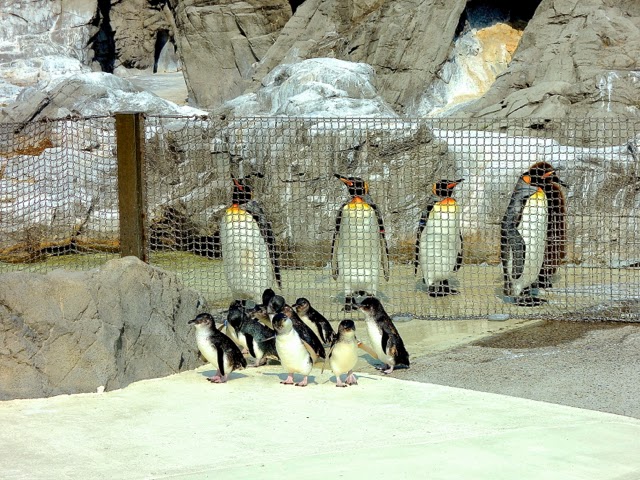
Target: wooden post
131 184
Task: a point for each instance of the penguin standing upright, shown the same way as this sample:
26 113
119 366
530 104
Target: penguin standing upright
385 338
556 248
294 355
343 354
314 320
248 245
217 348
359 246
439 240
256 338
523 232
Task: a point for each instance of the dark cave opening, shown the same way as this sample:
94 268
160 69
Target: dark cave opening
162 37
103 43
295 4
484 13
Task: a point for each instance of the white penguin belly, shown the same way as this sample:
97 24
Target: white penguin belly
245 255
376 342
294 357
209 352
533 229
343 357
311 325
358 251
440 243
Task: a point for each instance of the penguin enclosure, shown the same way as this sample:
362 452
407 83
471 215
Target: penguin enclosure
439 218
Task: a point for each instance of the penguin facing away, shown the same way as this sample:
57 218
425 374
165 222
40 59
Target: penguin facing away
556 249
248 245
343 353
258 339
439 240
385 339
217 348
523 232
294 355
359 246
314 319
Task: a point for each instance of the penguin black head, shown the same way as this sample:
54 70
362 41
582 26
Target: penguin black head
541 174
267 295
370 306
346 327
281 323
259 312
236 314
276 304
242 192
444 188
356 186
202 320
301 306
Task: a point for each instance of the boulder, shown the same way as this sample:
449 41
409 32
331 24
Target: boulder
70 332
219 41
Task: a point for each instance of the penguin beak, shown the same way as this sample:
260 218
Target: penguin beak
344 180
454 183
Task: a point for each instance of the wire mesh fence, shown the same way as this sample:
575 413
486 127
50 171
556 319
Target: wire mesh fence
439 218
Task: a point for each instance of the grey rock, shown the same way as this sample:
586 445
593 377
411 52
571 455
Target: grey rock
70 332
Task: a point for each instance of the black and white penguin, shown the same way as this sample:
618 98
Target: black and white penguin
248 245
343 353
295 355
256 338
556 249
217 348
439 240
524 229
359 246
385 339
314 319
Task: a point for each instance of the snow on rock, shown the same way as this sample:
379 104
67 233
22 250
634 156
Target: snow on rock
316 87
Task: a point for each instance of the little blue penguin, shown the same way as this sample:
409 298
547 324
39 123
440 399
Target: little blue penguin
343 353
314 319
385 339
217 348
258 339
294 355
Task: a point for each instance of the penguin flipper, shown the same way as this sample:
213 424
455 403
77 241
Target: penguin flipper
383 242
220 353
459 259
311 351
249 340
259 216
334 244
421 224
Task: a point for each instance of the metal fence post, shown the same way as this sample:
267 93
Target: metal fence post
131 184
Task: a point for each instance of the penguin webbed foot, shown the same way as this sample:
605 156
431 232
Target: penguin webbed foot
385 368
351 379
351 302
217 379
289 380
303 383
528 301
441 289
259 363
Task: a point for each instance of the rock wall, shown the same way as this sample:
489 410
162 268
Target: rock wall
576 59
70 332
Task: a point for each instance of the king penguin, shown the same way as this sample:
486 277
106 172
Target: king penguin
248 245
439 240
556 248
343 353
359 246
217 348
294 355
523 232
385 338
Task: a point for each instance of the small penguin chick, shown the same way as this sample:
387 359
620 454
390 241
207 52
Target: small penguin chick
343 354
217 348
